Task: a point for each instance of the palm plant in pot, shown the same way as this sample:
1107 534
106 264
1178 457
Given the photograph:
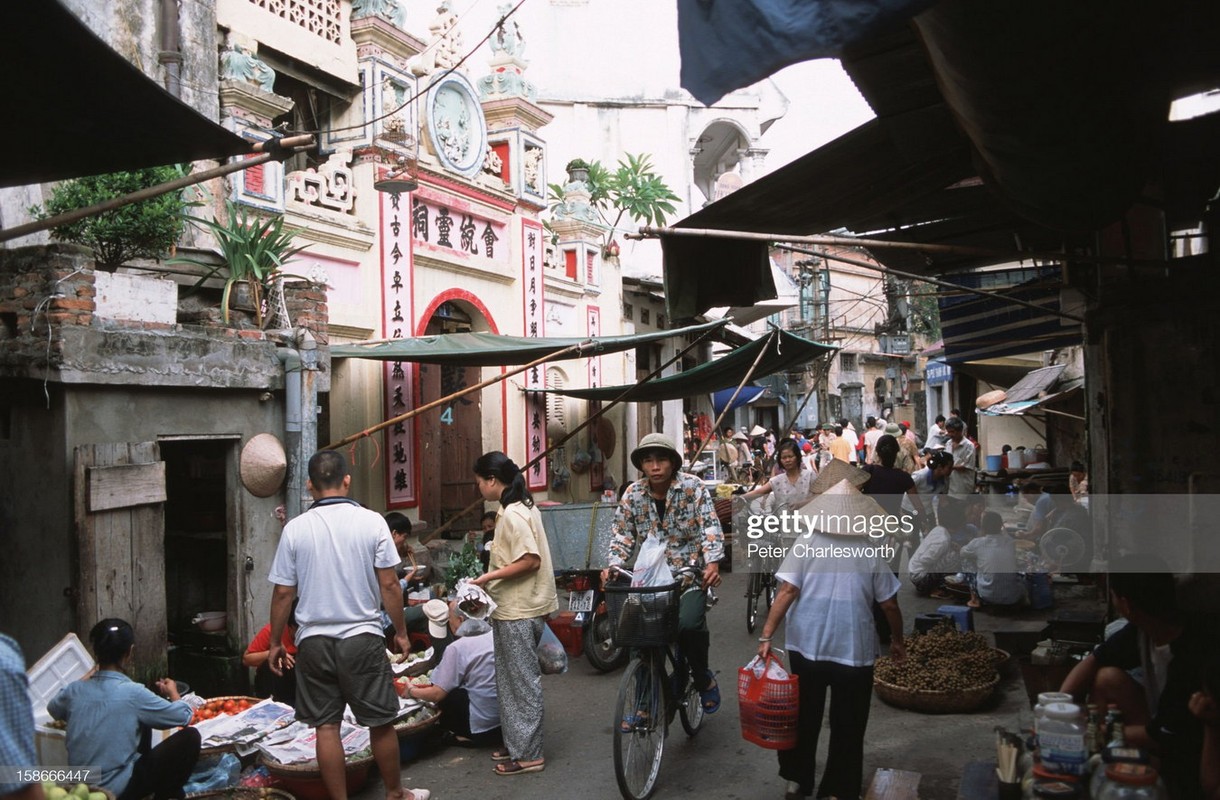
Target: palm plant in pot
253 250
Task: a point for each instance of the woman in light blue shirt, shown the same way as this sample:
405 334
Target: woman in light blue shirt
109 715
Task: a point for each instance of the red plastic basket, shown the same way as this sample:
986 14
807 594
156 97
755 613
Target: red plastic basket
769 707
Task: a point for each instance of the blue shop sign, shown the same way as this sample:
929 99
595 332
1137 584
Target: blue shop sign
937 372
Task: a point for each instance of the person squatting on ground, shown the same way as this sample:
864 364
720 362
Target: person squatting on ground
521 581
16 722
341 557
827 606
676 508
111 717
464 683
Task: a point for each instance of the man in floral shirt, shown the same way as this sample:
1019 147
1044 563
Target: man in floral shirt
677 508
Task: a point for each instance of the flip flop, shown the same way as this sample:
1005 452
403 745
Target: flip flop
500 755
517 768
710 697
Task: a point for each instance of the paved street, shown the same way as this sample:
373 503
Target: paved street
718 763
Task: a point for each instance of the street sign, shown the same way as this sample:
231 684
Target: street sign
938 372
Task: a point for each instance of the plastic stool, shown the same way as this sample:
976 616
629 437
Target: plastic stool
962 616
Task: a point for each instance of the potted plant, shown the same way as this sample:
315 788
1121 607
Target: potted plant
148 229
578 170
253 251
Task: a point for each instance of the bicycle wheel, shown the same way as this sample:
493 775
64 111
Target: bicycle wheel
639 729
772 589
690 709
752 593
599 646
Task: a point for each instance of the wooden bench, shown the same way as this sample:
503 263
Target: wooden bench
893 784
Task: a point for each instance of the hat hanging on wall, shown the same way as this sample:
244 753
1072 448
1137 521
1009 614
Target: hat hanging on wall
263 465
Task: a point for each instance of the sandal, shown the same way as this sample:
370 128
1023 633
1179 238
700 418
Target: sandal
710 697
633 721
517 768
501 754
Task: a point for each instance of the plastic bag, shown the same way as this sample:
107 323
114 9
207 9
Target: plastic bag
473 601
552 659
220 776
651 567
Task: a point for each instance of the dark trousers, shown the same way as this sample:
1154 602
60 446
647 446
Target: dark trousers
163 770
693 636
455 718
851 693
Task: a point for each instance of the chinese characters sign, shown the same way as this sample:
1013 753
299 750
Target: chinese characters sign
446 227
396 283
532 252
596 472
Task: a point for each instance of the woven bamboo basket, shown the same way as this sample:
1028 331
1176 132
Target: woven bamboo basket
956 701
243 793
404 729
304 781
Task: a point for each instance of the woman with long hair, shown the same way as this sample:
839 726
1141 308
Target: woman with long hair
110 716
522 583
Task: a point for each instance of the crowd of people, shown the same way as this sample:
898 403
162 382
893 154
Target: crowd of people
342 573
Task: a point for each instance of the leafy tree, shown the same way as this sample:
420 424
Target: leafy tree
148 229
633 189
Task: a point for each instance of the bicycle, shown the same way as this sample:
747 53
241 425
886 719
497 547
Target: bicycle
762 583
646 619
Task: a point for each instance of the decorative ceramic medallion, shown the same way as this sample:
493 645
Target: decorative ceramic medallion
456 125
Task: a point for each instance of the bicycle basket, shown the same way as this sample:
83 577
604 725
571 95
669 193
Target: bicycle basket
769 704
643 616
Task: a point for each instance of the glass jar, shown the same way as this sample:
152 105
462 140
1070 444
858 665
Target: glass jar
1131 782
1061 738
1116 755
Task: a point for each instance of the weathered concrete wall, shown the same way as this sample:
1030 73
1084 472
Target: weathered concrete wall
36 510
35 518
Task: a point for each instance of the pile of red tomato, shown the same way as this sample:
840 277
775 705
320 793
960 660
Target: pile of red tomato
220 707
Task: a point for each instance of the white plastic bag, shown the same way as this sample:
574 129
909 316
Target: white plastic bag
651 568
473 601
552 659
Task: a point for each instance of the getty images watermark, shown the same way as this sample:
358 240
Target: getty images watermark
774 537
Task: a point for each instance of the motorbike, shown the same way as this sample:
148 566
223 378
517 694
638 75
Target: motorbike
588 603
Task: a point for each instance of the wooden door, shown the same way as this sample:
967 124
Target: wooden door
450 442
119 494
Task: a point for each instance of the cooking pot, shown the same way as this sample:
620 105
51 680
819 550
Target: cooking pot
211 621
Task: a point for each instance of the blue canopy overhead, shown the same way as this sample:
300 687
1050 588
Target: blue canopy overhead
729 44
976 328
747 395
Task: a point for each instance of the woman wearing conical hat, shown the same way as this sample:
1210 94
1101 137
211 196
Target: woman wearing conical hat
833 574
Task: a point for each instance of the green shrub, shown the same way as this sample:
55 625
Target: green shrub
148 229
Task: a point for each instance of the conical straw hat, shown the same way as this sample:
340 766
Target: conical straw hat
838 470
263 465
842 510
758 430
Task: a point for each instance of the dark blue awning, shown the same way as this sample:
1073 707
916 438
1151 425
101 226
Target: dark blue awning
747 395
976 327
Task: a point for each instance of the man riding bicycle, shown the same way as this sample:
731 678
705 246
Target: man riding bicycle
676 508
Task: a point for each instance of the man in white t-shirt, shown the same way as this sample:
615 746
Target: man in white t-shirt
341 558
853 439
965 464
870 440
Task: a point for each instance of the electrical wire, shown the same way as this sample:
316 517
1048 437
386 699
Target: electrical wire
43 307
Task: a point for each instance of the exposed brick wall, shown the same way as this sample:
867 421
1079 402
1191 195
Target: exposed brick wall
307 308
42 289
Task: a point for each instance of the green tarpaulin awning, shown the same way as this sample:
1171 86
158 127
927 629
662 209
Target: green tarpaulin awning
493 350
784 351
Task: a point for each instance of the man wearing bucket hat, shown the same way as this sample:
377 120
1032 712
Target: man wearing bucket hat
676 508
829 581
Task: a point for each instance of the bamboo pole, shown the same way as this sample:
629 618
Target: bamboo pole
279 151
651 231
430 535
749 374
461 392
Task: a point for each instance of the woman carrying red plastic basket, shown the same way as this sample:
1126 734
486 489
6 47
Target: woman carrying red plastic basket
828 583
